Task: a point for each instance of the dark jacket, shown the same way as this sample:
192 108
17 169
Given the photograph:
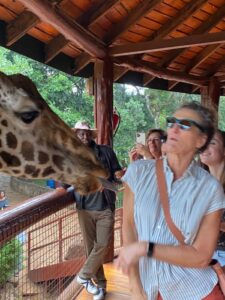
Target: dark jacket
107 198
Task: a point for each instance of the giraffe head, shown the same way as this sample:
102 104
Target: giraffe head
36 143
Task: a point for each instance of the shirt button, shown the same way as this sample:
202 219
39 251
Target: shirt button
158 227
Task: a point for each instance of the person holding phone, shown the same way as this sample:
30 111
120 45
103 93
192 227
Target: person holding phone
151 149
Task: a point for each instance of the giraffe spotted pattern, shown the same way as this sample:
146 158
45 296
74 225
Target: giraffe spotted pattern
36 143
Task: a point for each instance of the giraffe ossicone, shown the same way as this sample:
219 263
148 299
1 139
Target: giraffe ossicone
36 143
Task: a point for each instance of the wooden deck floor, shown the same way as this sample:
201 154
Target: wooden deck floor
117 285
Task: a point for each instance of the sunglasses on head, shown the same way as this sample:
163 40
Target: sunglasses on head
184 124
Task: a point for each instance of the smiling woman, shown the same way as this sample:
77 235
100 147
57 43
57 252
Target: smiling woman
152 256
214 158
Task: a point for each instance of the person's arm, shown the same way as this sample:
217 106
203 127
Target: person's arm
144 151
197 255
129 237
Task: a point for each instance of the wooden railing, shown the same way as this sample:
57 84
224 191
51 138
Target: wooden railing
35 238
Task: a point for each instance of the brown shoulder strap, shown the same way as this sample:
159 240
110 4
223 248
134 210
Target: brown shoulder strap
165 202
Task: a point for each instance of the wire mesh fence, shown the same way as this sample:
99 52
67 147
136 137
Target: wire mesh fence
41 253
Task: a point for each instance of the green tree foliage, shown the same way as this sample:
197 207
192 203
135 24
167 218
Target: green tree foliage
10 259
140 108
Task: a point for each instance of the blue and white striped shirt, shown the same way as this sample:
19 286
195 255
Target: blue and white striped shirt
191 197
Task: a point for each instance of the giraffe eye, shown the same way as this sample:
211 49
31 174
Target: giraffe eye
28 117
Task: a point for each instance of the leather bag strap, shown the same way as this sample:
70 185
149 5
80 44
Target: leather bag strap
161 181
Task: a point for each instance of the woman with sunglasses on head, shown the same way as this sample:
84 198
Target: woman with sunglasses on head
214 158
152 149
158 266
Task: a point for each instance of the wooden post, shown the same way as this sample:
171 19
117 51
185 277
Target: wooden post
210 95
103 90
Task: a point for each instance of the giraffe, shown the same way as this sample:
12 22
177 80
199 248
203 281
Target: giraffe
36 143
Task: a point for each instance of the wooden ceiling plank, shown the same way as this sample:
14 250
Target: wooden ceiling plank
201 57
20 26
151 69
118 72
147 79
168 44
54 47
169 26
74 33
81 62
205 27
135 14
95 12
172 84
212 69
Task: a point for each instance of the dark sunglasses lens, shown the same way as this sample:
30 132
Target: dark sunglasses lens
185 124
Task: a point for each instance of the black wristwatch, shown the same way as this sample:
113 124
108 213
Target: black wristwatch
150 249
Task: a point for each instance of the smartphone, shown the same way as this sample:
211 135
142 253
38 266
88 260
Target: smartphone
140 138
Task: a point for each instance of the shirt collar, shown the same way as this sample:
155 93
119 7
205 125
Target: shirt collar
190 171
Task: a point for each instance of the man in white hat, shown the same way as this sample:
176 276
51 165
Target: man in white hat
96 213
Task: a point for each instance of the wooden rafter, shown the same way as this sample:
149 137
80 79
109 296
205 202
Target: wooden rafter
144 67
195 88
172 84
54 47
86 19
82 61
136 13
214 68
168 44
147 79
96 11
76 34
20 26
202 56
118 72
205 27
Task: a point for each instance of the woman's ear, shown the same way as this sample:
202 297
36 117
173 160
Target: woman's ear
201 141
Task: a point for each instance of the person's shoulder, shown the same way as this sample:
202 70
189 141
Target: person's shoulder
143 164
204 175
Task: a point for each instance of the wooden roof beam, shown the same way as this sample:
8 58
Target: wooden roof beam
86 19
54 47
95 12
212 69
205 27
20 26
147 79
201 57
148 68
167 44
172 84
118 72
81 62
74 33
195 88
137 13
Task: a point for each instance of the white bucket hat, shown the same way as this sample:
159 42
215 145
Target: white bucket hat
84 125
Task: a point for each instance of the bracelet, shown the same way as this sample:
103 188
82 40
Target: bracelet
150 249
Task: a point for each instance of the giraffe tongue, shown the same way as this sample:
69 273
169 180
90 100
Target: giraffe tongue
108 185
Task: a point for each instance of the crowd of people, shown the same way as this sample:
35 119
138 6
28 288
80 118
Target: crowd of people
158 263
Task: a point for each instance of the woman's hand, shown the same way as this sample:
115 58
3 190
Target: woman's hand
143 150
133 155
129 255
136 295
